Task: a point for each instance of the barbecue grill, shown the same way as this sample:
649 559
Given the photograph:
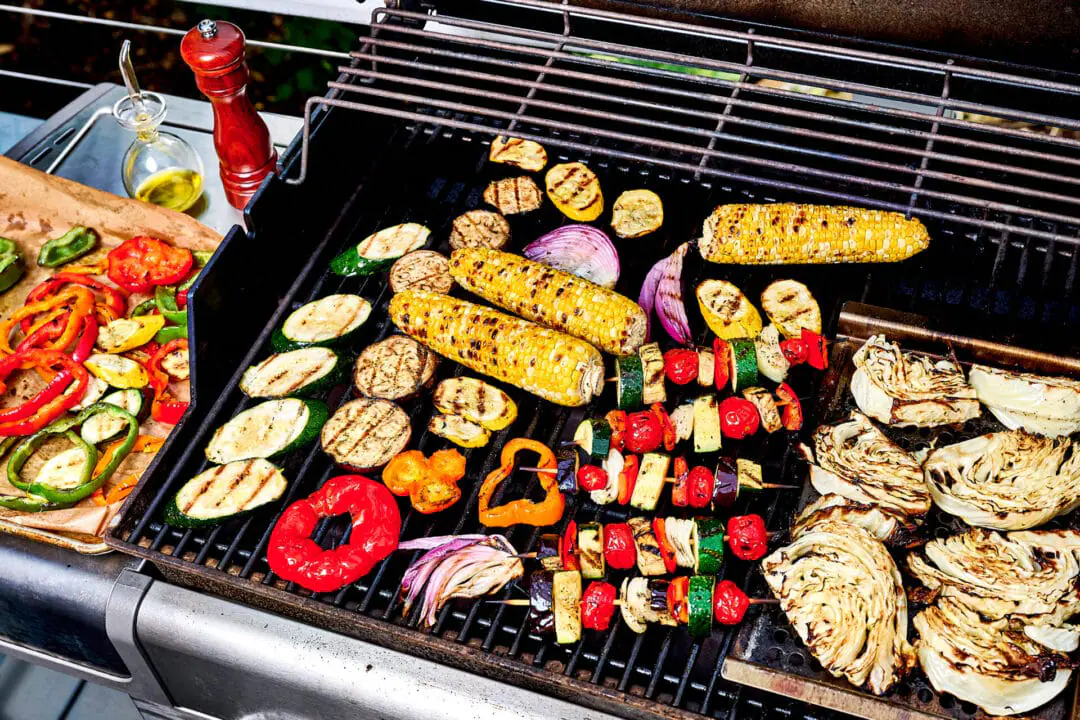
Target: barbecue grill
702 110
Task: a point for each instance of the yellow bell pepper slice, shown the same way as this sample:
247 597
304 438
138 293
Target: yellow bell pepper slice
118 371
129 333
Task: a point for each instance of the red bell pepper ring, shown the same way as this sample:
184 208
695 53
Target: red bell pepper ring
681 365
568 548
627 479
791 415
51 402
597 606
680 491
376 525
591 477
142 262
165 407
817 352
616 419
667 428
729 603
667 552
721 363
620 552
795 351
747 537
738 418
644 433
700 487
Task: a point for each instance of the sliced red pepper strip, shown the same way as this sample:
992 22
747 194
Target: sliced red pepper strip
617 420
667 428
55 403
667 552
165 408
722 363
678 592
791 415
627 479
85 346
817 353
142 262
680 491
568 547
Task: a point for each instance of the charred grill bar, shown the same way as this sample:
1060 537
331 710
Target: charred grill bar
403 136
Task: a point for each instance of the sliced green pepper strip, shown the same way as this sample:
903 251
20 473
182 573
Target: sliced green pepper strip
144 308
201 257
73 244
28 504
165 299
168 334
11 264
88 481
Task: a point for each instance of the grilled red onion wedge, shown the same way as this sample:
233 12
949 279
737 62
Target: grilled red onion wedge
905 389
842 593
1008 480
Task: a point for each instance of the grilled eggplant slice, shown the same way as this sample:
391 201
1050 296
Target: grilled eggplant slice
512 196
459 431
225 492
379 250
393 369
476 401
525 154
726 310
421 270
297 372
636 213
575 190
479 228
791 307
366 433
331 320
267 430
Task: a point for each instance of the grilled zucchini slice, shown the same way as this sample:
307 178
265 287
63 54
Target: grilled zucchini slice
652 368
393 369
225 492
650 481
421 270
791 307
379 250
593 436
591 550
566 598
297 372
459 431
476 401
95 390
630 382
636 213
267 430
479 228
104 426
575 190
726 310
525 154
512 196
706 424
330 320
366 433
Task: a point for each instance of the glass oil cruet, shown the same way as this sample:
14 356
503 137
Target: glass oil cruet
159 167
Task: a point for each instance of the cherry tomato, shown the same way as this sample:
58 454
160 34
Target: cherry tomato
795 350
643 432
142 262
597 606
591 477
620 552
700 487
729 603
747 537
681 366
738 418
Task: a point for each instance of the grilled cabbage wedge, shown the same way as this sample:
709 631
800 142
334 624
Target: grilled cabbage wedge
791 307
395 368
423 270
476 401
727 311
575 190
1030 577
888 525
636 213
304 371
857 461
512 196
785 233
517 152
985 662
479 228
1036 403
843 594
224 492
547 363
1007 480
561 301
366 433
908 389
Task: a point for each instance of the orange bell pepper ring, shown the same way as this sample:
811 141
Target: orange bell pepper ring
429 483
523 511
403 471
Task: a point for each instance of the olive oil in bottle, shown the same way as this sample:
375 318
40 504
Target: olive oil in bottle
174 188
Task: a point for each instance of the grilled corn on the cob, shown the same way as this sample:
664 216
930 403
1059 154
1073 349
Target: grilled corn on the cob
610 321
549 364
785 233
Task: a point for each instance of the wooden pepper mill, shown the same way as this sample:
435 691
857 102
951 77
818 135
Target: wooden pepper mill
215 52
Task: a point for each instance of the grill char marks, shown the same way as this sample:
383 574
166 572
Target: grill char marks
575 190
481 228
512 196
366 433
525 154
394 368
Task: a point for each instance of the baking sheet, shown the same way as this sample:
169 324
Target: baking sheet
36 207
767 653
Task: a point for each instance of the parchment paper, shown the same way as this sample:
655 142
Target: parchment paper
34 208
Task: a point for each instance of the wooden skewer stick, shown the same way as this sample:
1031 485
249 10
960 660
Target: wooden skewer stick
764 486
524 602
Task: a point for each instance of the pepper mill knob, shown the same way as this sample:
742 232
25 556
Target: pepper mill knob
215 52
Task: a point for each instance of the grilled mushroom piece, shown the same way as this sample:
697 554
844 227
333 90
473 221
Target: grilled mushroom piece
1036 403
855 460
890 526
906 389
1027 577
842 593
1007 480
985 662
